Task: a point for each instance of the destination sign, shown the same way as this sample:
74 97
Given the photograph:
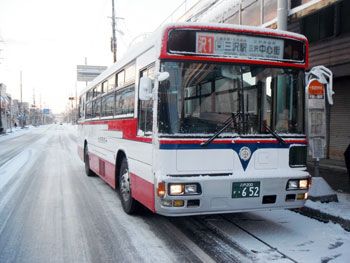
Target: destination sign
239 45
234 45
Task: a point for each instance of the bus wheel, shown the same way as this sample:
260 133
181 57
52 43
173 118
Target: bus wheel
128 203
88 171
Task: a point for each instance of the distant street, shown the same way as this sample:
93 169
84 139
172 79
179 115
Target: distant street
50 211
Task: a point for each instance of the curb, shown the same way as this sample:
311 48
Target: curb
328 166
323 217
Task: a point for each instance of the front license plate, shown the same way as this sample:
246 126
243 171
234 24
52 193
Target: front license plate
245 189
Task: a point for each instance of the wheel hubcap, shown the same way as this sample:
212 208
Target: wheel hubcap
125 185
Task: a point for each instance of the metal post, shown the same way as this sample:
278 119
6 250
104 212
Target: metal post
282 14
114 40
317 167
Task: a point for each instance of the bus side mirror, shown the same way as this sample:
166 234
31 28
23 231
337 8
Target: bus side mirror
145 92
163 76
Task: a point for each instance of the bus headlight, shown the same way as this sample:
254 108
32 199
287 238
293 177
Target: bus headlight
184 189
298 184
191 189
303 184
176 189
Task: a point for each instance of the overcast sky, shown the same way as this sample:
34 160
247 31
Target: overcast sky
46 39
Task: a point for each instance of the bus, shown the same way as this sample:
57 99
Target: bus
201 119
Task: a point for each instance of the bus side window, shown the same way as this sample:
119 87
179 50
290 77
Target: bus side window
145 116
88 112
104 88
107 105
96 108
125 101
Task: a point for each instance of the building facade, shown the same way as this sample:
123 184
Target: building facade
5 109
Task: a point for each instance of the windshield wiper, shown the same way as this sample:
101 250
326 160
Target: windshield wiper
274 134
231 120
226 124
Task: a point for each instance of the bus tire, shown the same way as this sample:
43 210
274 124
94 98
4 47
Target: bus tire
128 202
88 171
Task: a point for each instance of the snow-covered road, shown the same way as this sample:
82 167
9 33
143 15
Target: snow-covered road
50 211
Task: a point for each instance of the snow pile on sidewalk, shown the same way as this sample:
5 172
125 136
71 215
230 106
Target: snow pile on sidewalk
15 133
339 209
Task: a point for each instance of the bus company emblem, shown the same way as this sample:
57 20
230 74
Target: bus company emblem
245 153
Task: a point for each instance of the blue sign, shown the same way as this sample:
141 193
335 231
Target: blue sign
46 111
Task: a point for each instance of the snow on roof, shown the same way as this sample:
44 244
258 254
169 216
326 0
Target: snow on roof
131 55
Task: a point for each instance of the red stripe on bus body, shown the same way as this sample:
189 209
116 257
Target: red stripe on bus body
129 129
241 61
229 141
127 126
103 168
143 191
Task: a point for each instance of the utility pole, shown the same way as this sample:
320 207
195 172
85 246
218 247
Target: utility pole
41 112
21 108
34 109
76 117
114 40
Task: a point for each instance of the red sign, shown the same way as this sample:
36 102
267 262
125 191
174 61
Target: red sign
205 44
316 88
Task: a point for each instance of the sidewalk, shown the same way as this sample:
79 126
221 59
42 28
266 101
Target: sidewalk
335 174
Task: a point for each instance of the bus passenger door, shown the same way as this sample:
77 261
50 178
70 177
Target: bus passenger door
142 179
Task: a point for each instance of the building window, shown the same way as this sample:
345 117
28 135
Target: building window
296 3
251 14
319 25
344 17
270 10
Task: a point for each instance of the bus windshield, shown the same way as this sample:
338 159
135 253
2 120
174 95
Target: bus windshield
198 98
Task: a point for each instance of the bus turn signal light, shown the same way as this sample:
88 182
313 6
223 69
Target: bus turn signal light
161 189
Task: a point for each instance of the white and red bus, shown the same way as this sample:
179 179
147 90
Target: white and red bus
201 119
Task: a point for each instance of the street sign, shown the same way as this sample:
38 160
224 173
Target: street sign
88 73
316 114
46 111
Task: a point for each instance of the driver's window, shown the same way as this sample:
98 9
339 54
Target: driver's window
145 116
